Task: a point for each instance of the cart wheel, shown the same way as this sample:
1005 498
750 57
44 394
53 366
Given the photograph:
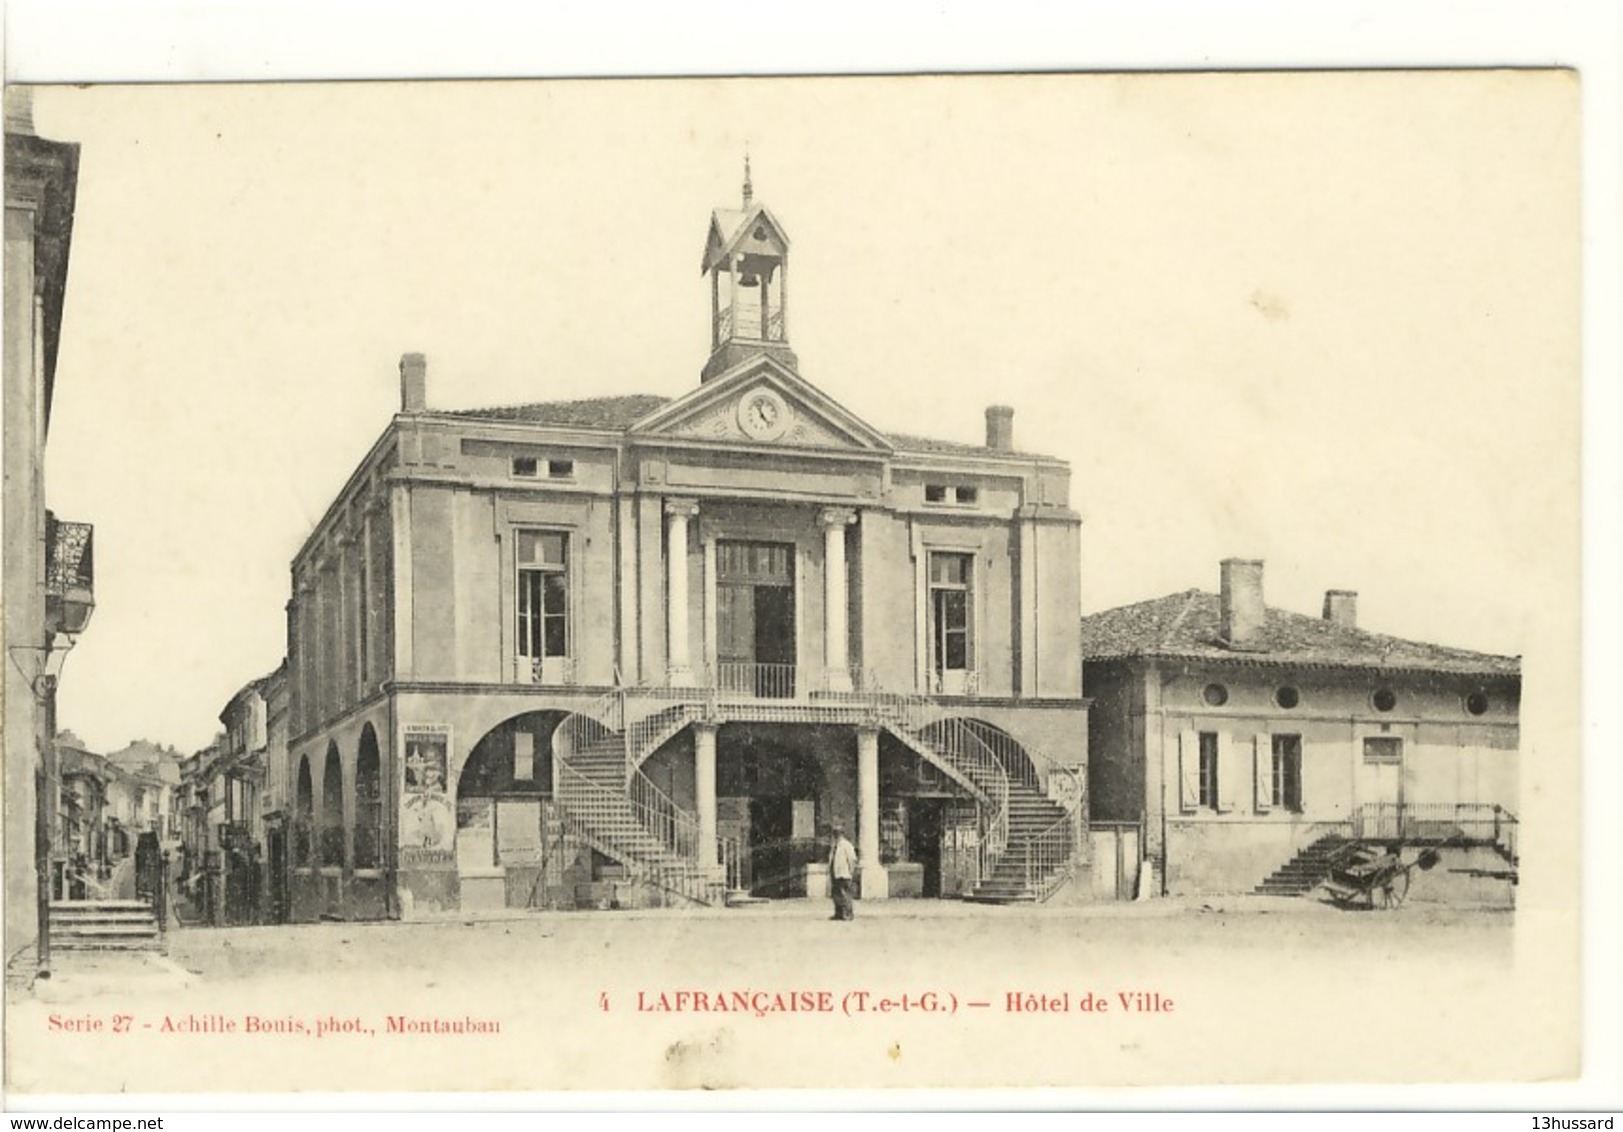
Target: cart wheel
1395 890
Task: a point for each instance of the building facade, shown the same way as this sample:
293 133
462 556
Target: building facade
86 840
275 803
1238 737
642 648
48 568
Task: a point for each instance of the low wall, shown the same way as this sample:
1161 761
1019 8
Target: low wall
1218 857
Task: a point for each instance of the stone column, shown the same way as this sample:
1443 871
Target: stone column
875 881
704 790
836 600
679 664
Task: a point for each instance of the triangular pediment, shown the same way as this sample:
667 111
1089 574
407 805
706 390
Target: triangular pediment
733 231
762 402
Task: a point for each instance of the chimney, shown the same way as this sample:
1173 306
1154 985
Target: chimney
413 383
1341 608
1000 428
1242 611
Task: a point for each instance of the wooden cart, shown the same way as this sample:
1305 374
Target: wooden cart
1370 876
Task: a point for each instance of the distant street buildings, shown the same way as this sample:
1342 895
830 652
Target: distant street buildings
232 804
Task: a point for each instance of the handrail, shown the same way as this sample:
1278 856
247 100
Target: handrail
593 810
977 756
1482 822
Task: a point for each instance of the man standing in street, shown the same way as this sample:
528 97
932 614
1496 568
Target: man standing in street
842 871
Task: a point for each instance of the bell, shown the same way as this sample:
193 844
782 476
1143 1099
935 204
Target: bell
750 280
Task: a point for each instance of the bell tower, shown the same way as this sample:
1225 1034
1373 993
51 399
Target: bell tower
746 256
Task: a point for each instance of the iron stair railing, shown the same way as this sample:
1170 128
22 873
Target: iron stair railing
1048 857
602 753
608 801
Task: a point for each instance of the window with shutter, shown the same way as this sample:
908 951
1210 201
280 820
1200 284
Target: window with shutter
1287 767
1188 772
1208 770
1228 770
1262 755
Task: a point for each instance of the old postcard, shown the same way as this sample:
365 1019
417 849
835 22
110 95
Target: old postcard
474 624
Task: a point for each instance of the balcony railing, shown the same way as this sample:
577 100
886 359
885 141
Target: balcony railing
549 670
760 681
70 574
747 325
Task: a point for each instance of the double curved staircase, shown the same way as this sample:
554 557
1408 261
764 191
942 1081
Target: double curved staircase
1030 831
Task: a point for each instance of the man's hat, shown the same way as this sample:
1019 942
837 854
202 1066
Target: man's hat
838 827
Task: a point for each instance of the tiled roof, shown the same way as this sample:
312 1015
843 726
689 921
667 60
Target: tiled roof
928 444
620 413
592 412
1185 626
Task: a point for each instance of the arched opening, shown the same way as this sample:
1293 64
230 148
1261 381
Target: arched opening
332 809
506 829
304 816
368 803
773 798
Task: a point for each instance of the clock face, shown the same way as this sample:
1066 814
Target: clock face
763 415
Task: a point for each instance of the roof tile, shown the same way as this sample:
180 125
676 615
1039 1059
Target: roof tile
617 413
1185 626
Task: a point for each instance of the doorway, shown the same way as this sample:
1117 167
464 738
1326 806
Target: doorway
755 618
924 841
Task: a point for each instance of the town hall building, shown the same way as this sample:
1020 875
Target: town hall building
640 649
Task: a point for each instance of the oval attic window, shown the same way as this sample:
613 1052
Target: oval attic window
1287 697
1477 703
1384 699
1216 695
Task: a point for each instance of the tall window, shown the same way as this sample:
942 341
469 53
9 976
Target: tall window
543 594
1208 769
952 641
1288 772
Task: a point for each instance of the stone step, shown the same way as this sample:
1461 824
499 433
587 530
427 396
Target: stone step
119 916
98 928
151 944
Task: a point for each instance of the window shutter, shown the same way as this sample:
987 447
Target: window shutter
1225 772
1301 774
1264 762
1188 772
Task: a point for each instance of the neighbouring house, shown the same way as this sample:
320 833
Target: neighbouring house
245 895
275 801
86 822
651 648
201 802
1239 738
154 762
